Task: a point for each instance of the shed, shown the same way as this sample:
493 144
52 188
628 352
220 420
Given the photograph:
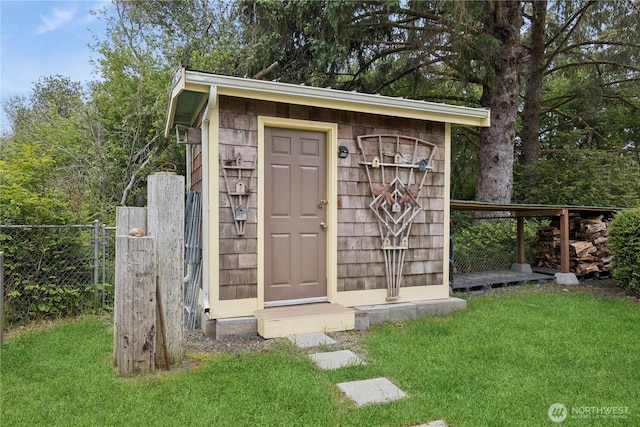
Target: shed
323 210
520 211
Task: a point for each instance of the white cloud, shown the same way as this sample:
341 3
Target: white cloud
94 10
56 20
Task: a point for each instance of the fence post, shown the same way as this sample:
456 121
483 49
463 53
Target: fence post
135 305
96 256
103 241
1 298
165 222
127 218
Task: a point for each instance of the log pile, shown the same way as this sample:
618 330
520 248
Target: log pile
588 252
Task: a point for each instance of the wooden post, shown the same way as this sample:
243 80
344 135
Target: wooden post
564 241
135 305
520 255
165 223
1 298
127 218
130 218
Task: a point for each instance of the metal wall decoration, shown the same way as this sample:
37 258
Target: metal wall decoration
238 178
396 168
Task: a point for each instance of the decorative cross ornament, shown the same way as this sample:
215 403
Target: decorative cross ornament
396 189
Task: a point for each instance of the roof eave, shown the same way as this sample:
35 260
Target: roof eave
327 98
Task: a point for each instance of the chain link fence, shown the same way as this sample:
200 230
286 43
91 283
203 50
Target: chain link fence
490 245
65 270
56 270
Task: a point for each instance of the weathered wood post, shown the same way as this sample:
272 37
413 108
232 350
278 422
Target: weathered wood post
135 305
165 222
127 219
1 298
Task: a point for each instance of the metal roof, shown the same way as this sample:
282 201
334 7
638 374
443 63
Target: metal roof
528 209
191 88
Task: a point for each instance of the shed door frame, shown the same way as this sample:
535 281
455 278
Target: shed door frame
331 131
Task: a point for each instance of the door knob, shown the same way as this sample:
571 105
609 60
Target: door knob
323 225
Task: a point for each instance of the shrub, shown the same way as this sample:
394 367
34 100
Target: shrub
48 273
624 242
567 177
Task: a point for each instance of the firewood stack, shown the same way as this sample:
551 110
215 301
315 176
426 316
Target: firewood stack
588 252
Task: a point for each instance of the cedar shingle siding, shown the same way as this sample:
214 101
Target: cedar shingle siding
360 258
196 171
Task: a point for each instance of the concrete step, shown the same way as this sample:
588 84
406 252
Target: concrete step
276 322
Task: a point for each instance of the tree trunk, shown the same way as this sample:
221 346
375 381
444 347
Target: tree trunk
530 134
500 93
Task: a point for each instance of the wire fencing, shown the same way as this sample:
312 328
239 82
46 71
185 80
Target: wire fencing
56 270
65 270
490 245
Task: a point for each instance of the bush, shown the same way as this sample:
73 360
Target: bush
624 242
48 273
579 177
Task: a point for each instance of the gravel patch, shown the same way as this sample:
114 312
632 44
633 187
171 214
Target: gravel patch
197 342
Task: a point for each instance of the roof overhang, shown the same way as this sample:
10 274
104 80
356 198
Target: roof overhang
192 88
530 209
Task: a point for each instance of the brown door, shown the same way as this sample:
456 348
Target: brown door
295 217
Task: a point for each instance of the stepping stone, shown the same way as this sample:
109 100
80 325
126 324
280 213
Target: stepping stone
312 339
335 359
436 423
376 390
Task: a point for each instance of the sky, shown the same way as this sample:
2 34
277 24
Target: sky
45 38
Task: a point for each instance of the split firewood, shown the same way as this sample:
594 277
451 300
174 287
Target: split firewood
588 250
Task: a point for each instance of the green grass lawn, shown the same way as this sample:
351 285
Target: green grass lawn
502 362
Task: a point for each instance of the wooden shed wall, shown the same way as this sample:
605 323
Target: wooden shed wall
196 171
360 259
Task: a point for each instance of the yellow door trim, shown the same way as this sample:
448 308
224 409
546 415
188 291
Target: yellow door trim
331 130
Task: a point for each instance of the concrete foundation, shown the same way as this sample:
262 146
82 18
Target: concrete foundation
372 314
362 320
521 268
566 279
365 316
220 329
